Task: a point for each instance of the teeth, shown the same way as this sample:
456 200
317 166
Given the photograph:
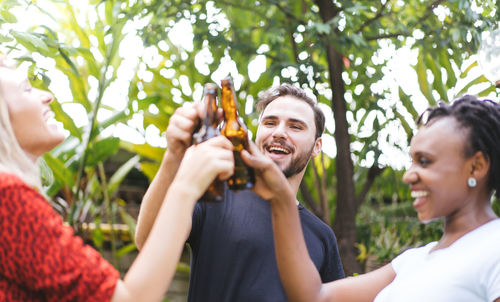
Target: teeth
418 194
279 149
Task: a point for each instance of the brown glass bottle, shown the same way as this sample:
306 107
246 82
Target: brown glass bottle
236 131
208 129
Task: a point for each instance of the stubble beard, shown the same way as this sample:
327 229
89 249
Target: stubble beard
297 164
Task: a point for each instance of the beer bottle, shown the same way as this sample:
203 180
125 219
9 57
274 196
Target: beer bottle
208 129
236 131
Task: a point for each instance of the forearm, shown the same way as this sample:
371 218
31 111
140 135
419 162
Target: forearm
155 195
298 274
153 270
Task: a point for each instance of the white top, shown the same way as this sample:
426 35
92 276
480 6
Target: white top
466 271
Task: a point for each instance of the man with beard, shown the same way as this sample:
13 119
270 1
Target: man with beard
232 249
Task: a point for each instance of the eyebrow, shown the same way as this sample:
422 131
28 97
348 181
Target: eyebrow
292 120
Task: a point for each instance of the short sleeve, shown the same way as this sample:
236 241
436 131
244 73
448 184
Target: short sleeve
42 255
493 286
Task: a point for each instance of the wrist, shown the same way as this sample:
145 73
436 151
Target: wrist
186 192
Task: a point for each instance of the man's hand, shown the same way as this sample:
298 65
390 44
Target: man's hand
270 183
181 126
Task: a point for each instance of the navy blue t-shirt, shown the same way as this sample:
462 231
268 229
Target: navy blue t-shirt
232 250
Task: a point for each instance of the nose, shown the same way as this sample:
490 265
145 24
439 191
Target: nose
280 131
46 97
410 176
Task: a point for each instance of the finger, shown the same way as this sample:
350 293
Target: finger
220 142
255 159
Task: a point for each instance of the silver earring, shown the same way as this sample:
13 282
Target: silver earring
472 182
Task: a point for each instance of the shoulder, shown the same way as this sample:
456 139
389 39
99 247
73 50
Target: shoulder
12 187
8 180
309 220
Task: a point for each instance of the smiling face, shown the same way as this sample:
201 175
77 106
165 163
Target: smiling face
439 171
286 134
29 113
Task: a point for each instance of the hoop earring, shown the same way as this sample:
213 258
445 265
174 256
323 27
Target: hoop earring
471 182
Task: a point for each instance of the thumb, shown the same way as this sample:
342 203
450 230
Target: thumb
254 158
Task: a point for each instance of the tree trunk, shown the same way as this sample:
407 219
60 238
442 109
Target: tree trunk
345 223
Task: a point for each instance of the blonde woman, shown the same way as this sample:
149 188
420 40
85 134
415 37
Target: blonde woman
42 260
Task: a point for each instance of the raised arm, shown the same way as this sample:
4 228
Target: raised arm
179 131
298 274
153 270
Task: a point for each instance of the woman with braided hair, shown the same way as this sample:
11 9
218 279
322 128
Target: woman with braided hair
455 171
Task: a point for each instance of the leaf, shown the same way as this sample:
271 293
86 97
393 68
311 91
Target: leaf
466 71
407 103
150 169
61 173
422 79
131 247
444 60
30 41
478 80
101 150
121 173
69 62
4 39
148 151
438 77
119 116
64 118
8 17
129 221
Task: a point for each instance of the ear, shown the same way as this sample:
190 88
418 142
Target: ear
480 166
317 147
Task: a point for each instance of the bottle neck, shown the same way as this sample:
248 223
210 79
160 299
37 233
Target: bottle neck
229 104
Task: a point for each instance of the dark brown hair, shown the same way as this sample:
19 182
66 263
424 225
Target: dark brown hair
288 89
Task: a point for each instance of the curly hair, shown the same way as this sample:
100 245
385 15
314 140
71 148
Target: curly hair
482 119
288 89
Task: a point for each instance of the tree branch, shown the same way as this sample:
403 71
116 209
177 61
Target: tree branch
430 8
387 36
379 14
373 173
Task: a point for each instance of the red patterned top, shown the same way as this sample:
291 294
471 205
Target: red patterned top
40 258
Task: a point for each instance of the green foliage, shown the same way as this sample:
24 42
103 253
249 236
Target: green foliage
78 184
385 231
292 37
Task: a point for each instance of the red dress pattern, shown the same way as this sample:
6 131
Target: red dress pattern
40 258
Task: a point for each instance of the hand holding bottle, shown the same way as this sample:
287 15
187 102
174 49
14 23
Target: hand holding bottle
270 182
202 163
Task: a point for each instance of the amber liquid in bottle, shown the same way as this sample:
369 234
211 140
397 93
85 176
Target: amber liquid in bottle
236 131
208 129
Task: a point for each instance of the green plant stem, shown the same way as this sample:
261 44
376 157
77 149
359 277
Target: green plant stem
102 86
109 212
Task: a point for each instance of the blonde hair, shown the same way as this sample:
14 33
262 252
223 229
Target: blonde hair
13 159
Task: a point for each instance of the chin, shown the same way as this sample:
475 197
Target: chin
426 220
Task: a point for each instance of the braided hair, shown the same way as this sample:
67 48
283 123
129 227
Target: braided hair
482 119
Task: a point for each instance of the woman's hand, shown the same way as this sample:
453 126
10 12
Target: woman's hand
270 182
204 162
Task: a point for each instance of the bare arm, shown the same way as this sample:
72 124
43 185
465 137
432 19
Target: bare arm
151 273
298 274
179 132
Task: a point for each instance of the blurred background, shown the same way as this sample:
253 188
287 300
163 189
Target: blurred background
120 68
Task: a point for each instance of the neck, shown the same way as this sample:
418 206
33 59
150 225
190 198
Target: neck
295 181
